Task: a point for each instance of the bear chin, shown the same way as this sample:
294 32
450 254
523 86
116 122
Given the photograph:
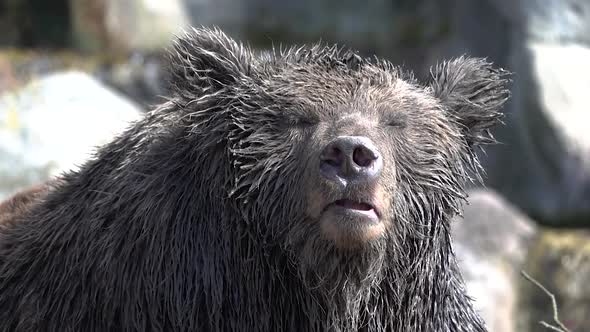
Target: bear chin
350 228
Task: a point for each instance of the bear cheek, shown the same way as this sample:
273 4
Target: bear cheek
315 202
383 203
390 192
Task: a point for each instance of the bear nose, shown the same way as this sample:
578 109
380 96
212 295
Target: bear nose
350 158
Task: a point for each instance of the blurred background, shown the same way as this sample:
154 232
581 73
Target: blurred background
74 72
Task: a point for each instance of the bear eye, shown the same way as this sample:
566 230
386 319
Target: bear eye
301 121
304 122
397 121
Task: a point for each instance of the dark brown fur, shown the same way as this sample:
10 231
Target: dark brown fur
20 203
209 213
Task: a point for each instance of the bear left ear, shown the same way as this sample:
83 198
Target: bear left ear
473 93
207 60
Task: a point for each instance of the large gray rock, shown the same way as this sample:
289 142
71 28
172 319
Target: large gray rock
125 26
400 30
550 146
491 242
54 124
543 163
34 23
552 21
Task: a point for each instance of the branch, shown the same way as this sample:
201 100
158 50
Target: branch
559 327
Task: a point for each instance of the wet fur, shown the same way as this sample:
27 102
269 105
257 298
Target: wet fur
20 203
194 219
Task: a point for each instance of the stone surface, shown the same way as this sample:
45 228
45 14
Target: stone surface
560 261
491 242
401 30
543 163
126 26
53 124
141 77
552 21
552 112
28 23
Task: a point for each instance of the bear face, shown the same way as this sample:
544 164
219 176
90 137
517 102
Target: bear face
336 157
305 189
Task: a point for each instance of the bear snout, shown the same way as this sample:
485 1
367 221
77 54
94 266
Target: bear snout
351 159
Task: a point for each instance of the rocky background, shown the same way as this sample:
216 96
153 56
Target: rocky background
75 72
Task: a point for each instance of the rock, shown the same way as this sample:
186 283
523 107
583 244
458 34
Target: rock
231 15
560 261
142 77
551 21
491 243
53 124
543 163
120 27
28 23
400 30
551 139
19 66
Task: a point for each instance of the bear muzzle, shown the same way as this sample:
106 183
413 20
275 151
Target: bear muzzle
351 159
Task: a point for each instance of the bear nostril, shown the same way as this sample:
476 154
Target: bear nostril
333 156
363 156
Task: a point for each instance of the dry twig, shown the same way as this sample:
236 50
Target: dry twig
559 327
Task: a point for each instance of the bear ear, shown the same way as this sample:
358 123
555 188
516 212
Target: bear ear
473 93
206 60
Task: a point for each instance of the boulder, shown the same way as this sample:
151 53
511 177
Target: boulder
400 30
53 124
26 23
551 140
543 163
491 242
121 27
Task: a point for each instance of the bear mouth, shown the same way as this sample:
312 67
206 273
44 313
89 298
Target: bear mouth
352 222
350 204
362 209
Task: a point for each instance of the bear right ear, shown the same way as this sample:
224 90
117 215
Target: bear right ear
473 93
205 60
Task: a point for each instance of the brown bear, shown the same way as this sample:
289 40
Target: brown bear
305 189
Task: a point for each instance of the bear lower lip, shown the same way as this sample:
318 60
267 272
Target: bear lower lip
364 211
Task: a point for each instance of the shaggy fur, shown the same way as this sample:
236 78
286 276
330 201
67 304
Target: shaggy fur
19 204
203 216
